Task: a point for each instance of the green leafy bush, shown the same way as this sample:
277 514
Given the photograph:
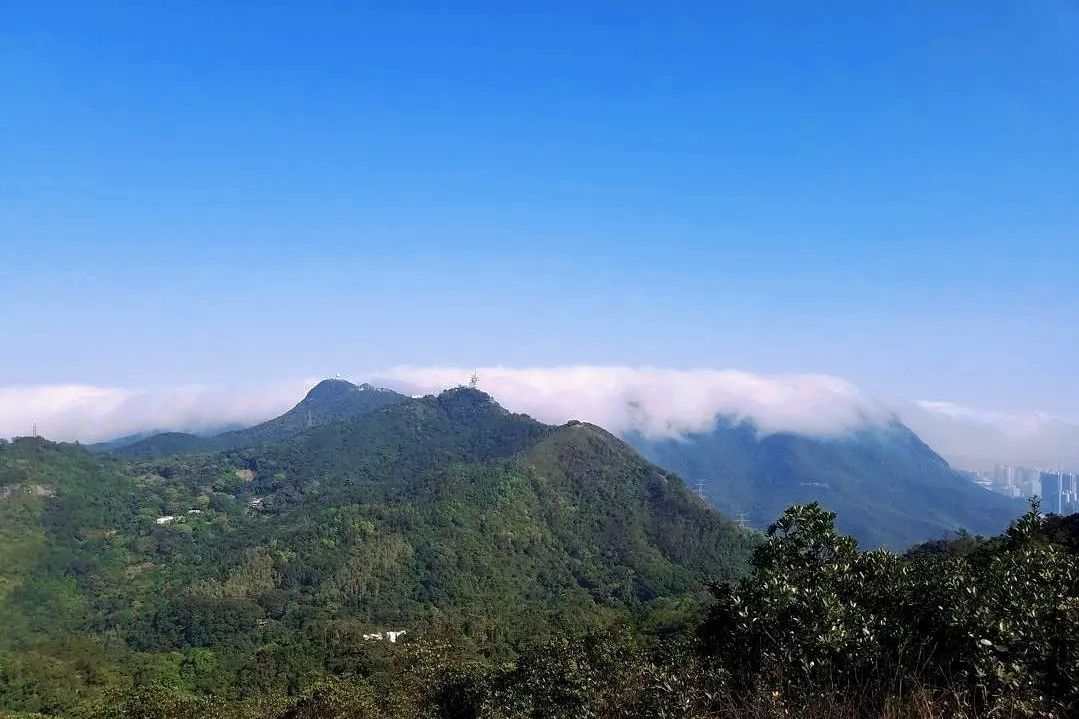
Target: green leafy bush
999 624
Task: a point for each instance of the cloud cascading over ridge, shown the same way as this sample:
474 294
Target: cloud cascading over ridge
658 402
655 402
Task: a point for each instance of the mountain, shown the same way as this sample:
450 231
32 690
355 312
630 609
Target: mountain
598 497
329 401
259 569
127 440
130 439
889 488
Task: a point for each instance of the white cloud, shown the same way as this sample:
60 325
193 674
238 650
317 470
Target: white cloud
656 402
661 402
92 414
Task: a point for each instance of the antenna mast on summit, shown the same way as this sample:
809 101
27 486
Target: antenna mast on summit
474 381
699 491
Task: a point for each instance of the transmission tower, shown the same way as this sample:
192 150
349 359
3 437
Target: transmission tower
699 491
742 521
474 381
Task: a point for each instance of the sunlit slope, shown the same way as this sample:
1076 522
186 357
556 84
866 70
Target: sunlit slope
445 516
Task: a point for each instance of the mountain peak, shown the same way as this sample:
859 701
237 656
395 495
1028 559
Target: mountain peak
334 399
331 389
465 402
585 447
330 400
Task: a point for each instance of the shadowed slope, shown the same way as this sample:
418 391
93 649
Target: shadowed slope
888 486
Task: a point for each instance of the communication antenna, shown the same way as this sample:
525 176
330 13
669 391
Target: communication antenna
741 521
474 381
35 429
699 491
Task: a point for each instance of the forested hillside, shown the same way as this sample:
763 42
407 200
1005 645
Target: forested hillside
106 613
257 572
525 570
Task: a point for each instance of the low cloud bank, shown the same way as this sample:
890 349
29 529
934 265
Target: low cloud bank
659 402
92 414
655 402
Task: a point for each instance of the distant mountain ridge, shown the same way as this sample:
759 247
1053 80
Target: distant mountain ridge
329 401
889 487
129 439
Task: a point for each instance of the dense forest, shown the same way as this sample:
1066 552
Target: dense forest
258 571
535 571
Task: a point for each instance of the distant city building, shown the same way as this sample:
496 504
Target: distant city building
1059 493
1057 489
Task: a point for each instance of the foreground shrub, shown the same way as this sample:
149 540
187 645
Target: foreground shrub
997 627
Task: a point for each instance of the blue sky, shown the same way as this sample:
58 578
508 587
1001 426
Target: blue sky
235 192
